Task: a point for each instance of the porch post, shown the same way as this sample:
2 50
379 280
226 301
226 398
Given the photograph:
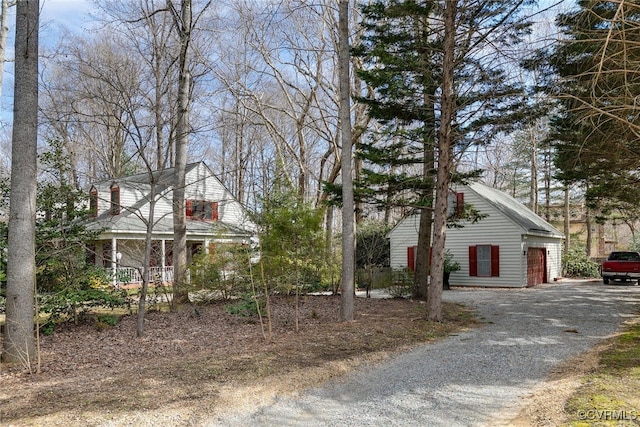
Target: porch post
164 261
114 262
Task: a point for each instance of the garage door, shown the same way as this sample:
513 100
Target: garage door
536 266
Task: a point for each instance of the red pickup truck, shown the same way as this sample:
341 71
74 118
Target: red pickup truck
621 266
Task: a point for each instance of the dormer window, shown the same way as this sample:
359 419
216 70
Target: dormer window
93 201
115 199
201 210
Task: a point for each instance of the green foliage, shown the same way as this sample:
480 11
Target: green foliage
222 274
61 237
402 285
292 242
401 53
69 304
593 75
372 245
449 264
68 285
108 319
635 245
246 306
575 263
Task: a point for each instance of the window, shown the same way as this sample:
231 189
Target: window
202 210
484 261
93 201
455 205
115 199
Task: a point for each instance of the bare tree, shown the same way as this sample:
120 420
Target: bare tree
184 25
19 342
348 218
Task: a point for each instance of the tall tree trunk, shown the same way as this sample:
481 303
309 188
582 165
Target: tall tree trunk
423 250
19 342
183 23
589 232
445 143
348 220
533 157
567 220
146 263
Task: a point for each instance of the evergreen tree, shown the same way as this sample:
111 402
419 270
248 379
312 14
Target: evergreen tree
291 241
400 53
403 55
596 130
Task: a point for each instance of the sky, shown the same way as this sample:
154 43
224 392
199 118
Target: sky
69 13
74 15
55 14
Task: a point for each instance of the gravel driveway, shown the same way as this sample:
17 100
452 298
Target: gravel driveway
467 378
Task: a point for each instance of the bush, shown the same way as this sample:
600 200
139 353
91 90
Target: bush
221 275
69 304
575 263
402 286
245 307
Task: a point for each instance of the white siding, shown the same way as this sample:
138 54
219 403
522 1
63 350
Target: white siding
554 254
201 185
496 229
405 234
204 186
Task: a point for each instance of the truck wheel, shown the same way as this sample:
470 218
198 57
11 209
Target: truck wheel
605 280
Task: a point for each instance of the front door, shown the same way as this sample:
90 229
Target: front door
536 266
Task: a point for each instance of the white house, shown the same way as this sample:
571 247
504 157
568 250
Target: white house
510 247
120 210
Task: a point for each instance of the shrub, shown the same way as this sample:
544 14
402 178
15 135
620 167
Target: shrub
245 307
402 285
575 263
70 303
221 275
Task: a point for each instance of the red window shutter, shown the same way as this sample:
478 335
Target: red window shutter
188 205
473 261
495 261
214 211
411 258
459 204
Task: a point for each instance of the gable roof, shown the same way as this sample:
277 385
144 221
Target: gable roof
163 177
129 221
515 211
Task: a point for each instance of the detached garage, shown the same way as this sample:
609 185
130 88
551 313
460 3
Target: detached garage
510 247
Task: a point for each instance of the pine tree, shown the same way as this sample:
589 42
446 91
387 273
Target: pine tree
596 131
404 54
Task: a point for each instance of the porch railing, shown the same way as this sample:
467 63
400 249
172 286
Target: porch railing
131 275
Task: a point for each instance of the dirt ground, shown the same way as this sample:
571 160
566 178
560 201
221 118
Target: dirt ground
192 366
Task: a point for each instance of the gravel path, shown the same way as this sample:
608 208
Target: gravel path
467 378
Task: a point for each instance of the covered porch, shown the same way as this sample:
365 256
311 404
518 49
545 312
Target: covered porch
123 260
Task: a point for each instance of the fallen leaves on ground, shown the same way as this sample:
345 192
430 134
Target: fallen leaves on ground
207 361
